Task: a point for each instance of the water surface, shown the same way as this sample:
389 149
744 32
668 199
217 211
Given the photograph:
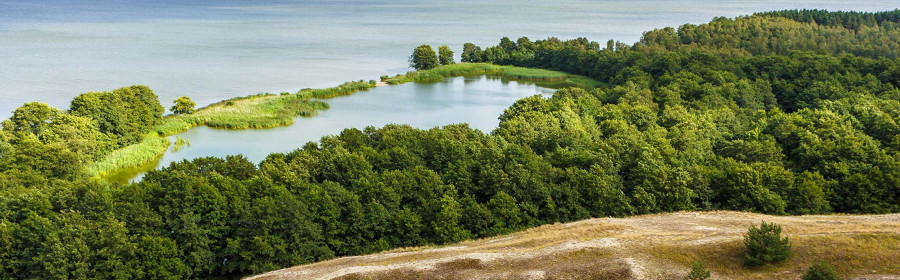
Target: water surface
52 50
477 101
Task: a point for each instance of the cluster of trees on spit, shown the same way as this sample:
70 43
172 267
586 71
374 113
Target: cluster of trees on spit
424 58
773 113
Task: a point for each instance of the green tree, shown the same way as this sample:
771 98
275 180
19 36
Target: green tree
808 194
446 223
764 245
524 44
423 58
508 45
698 272
445 55
183 105
821 270
496 55
157 258
471 53
476 217
33 117
79 135
506 213
126 113
739 187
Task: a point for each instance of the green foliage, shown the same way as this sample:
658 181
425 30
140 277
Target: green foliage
726 115
472 53
46 141
445 55
807 196
446 223
423 58
764 245
183 105
31 118
851 32
698 272
506 213
821 270
126 114
507 45
524 44
846 19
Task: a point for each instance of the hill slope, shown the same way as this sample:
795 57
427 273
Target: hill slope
644 247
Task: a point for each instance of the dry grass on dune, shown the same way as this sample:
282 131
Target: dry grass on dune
661 246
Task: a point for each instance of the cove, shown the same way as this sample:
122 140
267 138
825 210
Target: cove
475 100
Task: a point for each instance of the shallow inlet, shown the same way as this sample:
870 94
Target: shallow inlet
476 100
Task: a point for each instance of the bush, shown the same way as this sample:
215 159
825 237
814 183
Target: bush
765 245
183 105
822 270
698 272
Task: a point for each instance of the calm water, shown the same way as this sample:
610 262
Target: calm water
477 101
52 50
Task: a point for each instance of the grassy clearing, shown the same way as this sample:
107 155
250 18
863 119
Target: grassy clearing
851 254
661 246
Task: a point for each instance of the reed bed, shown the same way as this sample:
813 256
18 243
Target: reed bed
150 149
511 72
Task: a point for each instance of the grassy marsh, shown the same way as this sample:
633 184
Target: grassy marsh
510 72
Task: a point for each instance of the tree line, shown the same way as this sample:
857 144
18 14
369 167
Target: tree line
699 118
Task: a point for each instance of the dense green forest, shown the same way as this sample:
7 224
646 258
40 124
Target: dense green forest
790 112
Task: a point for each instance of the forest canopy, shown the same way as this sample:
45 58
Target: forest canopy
724 115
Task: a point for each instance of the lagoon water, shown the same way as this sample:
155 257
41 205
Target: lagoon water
475 100
52 50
